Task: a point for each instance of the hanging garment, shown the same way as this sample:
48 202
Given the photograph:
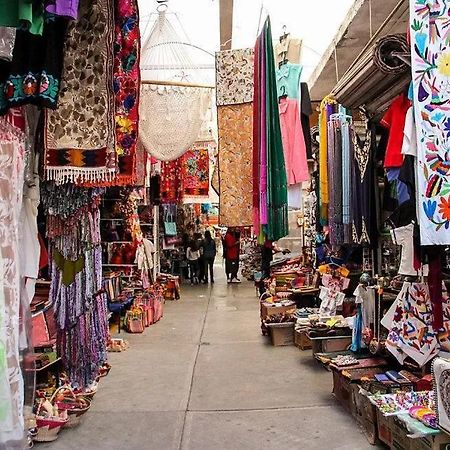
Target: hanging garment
362 214
305 113
335 212
326 109
232 89
409 322
288 48
263 141
171 188
293 142
79 138
195 171
276 170
235 164
431 105
331 301
256 167
23 14
67 8
365 296
441 383
12 150
34 74
404 236
126 88
295 196
288 80
394 121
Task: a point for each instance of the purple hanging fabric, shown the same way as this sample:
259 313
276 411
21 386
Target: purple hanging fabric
435 286
66 8
264 212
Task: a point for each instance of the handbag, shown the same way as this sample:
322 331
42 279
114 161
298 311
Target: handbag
135 320
170 225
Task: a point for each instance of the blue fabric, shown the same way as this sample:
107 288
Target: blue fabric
401 188
357 331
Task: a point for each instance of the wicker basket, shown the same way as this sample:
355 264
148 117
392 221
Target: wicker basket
48 425
70 405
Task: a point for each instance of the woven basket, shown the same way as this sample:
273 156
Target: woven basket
48 427
70 405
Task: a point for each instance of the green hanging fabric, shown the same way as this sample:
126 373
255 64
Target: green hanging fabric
276 171
28 14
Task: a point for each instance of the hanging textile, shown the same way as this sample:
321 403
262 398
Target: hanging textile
126 88
75 261
441 382
361 198
195 171
277 220
232 89
293 142
12 150
33 76
79 138
235 164
23 14
66 8
431 75
171 118
171 189
326 109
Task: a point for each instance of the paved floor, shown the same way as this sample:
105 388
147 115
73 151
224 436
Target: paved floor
204 378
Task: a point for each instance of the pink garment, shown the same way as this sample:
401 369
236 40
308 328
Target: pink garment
293 142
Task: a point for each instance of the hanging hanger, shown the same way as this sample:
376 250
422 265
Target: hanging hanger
283 93
285 33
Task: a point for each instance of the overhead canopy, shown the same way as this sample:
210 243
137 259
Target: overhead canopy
366 19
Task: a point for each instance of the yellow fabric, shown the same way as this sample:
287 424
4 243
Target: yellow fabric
323 159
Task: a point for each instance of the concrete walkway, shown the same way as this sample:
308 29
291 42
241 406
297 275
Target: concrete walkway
205 378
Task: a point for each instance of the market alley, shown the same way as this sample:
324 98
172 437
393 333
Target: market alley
205 378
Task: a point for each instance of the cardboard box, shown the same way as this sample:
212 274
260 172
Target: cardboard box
365 414
282 333
302 341
268 310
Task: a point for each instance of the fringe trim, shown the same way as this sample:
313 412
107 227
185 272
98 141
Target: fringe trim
62 175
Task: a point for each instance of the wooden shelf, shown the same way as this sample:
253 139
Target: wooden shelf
40 369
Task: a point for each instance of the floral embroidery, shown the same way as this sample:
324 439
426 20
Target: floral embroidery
431 76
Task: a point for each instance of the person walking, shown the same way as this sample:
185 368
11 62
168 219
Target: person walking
232 250
209 255
193 257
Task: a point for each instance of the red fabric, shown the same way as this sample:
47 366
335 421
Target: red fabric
394 121
232 250
43 257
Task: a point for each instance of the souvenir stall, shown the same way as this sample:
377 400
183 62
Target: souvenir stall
80 243
382 322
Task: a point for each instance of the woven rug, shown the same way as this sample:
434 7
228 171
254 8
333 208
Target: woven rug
126 88
79 135
235 164
431 76
195 171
